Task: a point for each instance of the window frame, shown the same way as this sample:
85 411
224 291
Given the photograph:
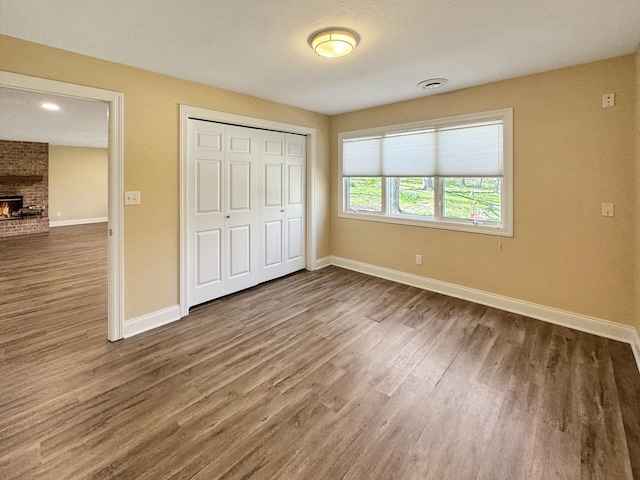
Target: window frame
438 221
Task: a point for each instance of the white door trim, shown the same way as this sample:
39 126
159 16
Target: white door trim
116 161
187 111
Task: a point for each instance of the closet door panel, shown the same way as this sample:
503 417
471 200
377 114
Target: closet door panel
295 230
209 173
239 251
239 186
208 256
241 266
205 207
295 207
272 208
273 243
273 185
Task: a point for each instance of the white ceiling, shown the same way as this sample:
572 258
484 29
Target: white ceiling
259 47
78 123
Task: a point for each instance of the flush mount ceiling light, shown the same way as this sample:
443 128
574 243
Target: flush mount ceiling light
334 42
50 106
433 83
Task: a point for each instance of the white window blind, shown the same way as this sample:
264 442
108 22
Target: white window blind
464 150
364 157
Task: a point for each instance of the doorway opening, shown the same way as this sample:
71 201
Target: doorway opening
114 103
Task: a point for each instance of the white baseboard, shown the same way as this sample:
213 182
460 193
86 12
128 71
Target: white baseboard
151 320
78 221
583 323
323 262
635 346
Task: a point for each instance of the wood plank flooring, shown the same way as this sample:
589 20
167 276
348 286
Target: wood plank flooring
319 375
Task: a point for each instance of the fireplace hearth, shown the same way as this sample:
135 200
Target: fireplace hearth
11 207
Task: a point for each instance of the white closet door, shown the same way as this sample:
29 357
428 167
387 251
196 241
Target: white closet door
246 206
241 262
206 210
295 202
272 204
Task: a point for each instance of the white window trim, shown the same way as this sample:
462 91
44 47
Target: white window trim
505 229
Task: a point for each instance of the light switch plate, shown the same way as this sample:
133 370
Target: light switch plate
132 198
607 209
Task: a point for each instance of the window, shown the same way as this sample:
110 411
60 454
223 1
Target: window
453 173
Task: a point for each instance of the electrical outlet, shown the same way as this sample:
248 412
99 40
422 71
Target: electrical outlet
608 100
418 259
607 209
132 198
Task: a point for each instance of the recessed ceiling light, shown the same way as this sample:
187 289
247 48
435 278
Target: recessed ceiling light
334 42
432 83
50 106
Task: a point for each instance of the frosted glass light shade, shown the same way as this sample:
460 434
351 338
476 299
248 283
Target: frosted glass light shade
50 106
334 43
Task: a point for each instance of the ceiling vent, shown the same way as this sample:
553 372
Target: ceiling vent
433 83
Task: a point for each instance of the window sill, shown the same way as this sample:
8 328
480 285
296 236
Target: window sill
460 226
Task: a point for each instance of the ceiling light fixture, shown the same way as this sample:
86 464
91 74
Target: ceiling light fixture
433 83
334 42
50 106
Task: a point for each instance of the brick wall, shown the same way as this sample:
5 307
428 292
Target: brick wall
25 159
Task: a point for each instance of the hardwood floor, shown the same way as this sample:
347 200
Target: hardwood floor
320 375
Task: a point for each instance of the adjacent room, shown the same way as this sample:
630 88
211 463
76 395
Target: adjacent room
292 240
53 228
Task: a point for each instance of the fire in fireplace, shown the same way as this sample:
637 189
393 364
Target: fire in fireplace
10 207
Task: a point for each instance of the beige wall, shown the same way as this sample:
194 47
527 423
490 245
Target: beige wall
151 149
78 183
570 154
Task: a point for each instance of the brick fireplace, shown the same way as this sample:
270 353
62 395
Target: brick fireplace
24 172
